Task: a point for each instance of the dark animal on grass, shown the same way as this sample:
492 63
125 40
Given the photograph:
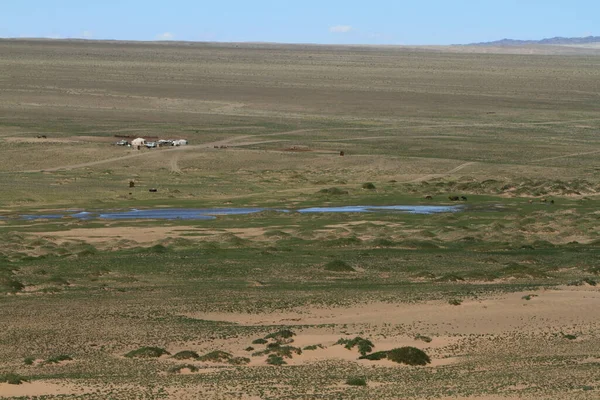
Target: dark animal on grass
342 154
131 184
551 201
463 198
428 198
453 198
41 136
543 200
153 190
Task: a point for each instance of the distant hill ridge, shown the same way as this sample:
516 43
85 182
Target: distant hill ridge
551 41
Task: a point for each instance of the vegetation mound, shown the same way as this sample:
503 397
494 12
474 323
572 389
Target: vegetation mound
147 352
12 379
338 266
276 360
403 355
178 368
217 356
186 355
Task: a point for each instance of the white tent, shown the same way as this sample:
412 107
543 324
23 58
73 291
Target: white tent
138 142
180 142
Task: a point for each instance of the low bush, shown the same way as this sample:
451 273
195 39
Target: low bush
455 302
260 341
364 345
274 359
186 355
409 355
356 382
338 266
147 352
12 379
368 186
177 369
403 355
58 359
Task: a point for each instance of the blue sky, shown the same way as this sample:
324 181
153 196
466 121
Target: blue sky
301 21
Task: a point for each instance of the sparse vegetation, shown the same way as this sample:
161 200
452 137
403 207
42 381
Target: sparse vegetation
186 355
356 382
147 352
12 379
338 266
364 345
513 134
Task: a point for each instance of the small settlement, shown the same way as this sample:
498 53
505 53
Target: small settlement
140 142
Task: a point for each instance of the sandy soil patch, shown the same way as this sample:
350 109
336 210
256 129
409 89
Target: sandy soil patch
39 388
486 316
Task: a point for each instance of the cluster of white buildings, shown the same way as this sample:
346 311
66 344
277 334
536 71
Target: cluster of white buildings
141 142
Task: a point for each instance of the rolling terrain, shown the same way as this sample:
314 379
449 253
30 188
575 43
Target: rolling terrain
501 295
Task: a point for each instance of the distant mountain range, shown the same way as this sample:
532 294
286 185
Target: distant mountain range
549 41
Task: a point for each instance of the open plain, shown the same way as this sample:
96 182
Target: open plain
501 295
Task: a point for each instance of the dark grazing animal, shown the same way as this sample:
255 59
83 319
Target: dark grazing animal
428 198
463 198
453 198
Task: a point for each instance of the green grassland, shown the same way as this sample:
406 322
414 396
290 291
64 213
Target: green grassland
506 131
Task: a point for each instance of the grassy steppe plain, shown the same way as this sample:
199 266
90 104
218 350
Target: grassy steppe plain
501 296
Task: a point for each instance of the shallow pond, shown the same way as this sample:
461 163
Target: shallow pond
212 213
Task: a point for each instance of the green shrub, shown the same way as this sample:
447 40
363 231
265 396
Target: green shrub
10 285
313 347
274 359
58 359
177 369
379 355
529 297
12 379
260 341
158 248
364 345
338 266
409 355
582 282
569 337
29 360
147 352
186 355
281 335
403 355
368 186
455 302
356 382
249 348
239 361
